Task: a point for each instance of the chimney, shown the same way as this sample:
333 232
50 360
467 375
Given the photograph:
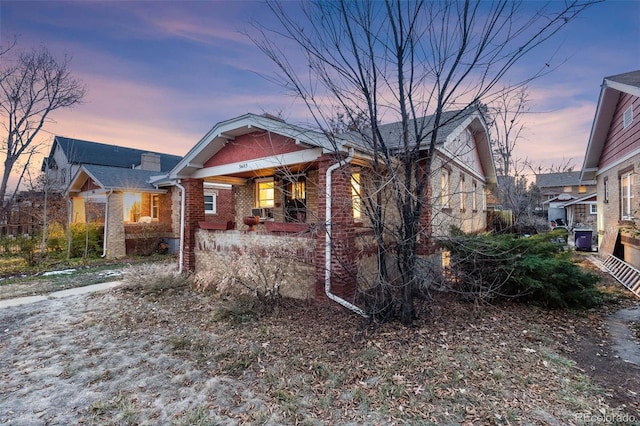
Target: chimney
150 161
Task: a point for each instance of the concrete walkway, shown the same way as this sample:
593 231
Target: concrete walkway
59 294
623 342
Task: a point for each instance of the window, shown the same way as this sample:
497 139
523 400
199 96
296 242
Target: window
474 199
210 202
606 190
356 196
593 209
131 203
155 206
627 117
463 194
484 197
265 193
582 189
296 190
626 196
567 189
444 184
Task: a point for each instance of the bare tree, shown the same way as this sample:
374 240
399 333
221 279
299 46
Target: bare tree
32 86
402 61
506 116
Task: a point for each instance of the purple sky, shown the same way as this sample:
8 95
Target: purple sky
161 74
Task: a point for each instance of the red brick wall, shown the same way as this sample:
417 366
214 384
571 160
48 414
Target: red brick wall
165 207
193 214
425 234
225 206
343 251
253 146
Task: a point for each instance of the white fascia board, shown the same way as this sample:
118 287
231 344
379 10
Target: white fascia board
260 163
621 87
619 161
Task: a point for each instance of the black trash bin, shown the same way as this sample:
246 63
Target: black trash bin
582 238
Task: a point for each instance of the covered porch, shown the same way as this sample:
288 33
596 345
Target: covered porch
297 189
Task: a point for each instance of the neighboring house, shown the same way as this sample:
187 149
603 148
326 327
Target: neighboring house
110 184
612 163
582 212
560 190
67 155
308 193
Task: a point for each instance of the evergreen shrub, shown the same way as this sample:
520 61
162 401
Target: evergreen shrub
537 269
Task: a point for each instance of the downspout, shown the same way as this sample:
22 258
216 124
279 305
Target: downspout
182 207
106 224
327 244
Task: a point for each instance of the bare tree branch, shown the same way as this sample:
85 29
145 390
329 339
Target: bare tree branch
33 86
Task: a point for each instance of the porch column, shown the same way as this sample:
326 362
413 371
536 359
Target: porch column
425 223
116 246
343 247
194 213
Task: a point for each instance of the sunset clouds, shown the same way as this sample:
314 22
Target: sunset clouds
159 75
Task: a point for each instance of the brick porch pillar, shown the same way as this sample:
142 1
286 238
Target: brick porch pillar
343 247
425 223
193 213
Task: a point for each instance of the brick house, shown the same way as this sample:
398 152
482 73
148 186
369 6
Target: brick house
612 163
109 184
307 193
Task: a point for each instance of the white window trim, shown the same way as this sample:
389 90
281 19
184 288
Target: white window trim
593 209
463 194
626 196
257 204
475 196
214 202
445 183
155 206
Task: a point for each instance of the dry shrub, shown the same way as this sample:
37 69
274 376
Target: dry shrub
255 271
154 277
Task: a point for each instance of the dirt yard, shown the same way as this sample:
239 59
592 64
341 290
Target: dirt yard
171 355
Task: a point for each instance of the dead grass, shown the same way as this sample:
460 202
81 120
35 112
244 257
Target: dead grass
147 354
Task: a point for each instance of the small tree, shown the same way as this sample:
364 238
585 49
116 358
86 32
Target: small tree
400 62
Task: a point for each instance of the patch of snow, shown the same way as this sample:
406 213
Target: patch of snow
60 272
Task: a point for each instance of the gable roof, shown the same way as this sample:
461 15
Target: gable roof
550 180
114 178
610 92
80 151
587 199
392 132
228 130
452 124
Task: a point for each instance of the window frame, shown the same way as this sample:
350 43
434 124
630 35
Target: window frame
445 188
264 203
593 209
356 195
626 195
474 200
213 202
155 206
463 194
